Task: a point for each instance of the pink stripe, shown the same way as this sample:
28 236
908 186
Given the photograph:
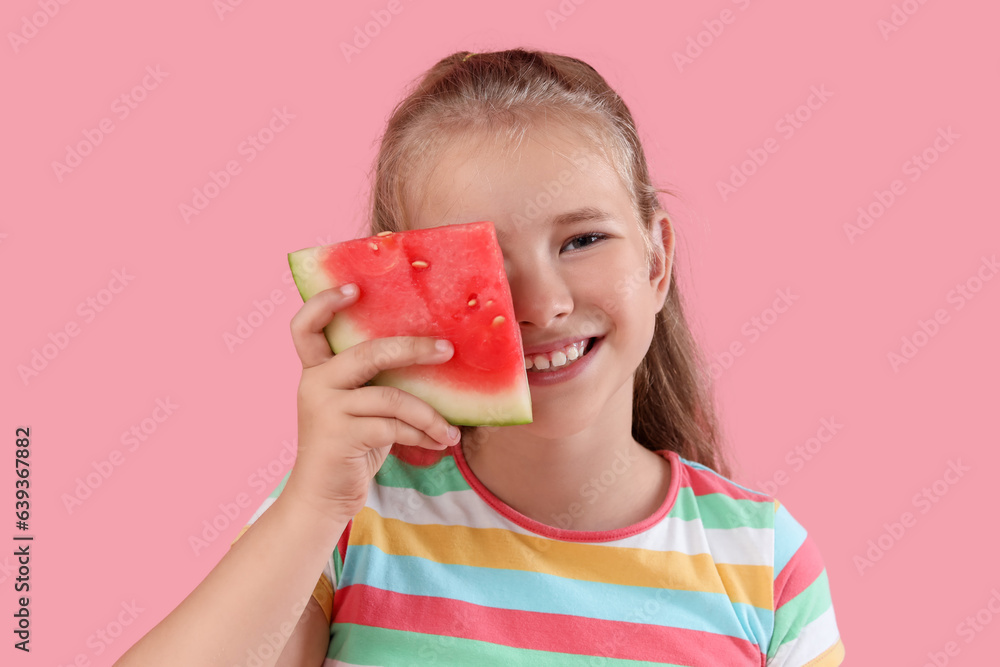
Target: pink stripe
703 483
366 605
417 456
800 571
344 539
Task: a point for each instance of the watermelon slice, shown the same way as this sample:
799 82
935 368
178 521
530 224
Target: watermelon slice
446 282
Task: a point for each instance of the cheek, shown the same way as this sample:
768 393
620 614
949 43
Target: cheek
610 294
626 281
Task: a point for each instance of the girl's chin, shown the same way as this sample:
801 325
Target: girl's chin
553 422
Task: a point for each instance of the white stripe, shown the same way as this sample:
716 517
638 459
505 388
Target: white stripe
742 546
813 639
736 546
453 508
260 510
732 546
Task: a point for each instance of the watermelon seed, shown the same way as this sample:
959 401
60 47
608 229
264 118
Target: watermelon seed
472 302
489 303
374 246
498 320
419 264
384 234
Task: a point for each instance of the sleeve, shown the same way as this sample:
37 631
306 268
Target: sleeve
323 591
805 627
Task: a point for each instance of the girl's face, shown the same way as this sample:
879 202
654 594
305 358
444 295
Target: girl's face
574 259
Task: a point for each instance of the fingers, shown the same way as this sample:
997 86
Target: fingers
360 363
307 324
377 432
415 420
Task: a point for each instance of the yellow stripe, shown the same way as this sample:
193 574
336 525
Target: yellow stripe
749 584
242 530
831 657
323 592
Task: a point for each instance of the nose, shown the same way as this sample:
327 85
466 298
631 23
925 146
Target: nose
541 295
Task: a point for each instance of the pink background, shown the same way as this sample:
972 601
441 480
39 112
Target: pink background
826 357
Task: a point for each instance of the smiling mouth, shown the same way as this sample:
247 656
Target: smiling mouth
559 359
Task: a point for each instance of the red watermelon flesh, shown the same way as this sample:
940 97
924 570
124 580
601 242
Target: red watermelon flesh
444 282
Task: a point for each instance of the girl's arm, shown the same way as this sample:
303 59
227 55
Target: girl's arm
250 603
310 641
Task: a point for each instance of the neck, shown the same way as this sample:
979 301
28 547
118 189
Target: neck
597 478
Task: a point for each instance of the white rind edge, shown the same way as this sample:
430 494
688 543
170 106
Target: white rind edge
341 334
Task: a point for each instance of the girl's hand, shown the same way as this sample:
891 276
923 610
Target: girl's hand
345 429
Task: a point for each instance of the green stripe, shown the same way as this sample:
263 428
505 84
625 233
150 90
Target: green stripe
442 477
717 510
281 486
338 567
379 646
807 606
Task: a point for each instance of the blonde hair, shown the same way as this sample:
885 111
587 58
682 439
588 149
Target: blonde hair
504 93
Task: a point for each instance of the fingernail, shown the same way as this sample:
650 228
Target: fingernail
453 433
443 346
349 290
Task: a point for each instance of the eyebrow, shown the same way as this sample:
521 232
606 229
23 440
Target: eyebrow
585 214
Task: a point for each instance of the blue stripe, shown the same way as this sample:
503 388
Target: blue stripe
759 623
788 537
546 593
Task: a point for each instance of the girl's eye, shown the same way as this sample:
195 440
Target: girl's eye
593 237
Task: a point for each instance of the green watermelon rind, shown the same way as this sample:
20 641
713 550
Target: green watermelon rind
310 282
456 406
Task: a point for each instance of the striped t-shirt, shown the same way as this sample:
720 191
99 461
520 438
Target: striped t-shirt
437 570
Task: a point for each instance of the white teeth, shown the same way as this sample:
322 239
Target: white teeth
557 358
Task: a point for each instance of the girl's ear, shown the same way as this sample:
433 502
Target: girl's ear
662 233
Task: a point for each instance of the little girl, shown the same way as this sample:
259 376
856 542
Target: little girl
605 532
